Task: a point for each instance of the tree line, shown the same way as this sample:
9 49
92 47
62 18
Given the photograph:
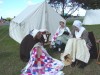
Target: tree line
86 4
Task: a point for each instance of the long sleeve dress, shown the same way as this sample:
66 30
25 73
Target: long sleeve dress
41 63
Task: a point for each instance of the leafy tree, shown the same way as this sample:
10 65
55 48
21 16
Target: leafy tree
88 4
1 18
57 3
8 19
64 3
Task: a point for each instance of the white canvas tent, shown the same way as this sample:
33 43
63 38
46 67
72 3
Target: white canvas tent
92 17
39 16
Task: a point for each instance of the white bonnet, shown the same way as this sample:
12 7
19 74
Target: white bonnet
34 32
77 23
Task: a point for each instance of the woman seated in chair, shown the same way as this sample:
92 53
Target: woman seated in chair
78 31
61 37
40 62
78 47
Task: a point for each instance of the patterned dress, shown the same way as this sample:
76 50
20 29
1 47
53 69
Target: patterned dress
59 37
43 65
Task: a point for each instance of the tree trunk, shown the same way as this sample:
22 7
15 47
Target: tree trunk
63 9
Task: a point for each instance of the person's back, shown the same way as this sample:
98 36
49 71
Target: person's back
26 45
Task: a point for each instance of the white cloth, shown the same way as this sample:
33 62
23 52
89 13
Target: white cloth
79 34
60 31
78 24
77 49
43 30
50 66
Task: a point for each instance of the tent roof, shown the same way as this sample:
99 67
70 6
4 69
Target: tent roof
27 12
92 17
40 16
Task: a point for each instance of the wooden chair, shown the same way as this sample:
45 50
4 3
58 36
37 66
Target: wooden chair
93 50
98 47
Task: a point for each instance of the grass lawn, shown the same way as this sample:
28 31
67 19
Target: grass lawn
10 63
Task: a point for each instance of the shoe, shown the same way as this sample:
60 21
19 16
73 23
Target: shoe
73 64
82 65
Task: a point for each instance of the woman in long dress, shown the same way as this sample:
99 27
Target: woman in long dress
77 48
61 36
78 31
40 62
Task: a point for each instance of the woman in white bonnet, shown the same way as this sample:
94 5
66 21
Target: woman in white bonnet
28 42
79 32
40 62
61 36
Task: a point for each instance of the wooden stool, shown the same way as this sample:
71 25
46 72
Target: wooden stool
98 48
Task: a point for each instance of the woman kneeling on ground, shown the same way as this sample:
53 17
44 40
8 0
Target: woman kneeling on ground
40 62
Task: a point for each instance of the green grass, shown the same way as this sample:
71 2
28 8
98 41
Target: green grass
10 63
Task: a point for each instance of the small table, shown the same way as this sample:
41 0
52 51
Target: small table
98 48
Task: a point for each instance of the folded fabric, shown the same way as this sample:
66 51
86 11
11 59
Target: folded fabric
77 49
43 64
